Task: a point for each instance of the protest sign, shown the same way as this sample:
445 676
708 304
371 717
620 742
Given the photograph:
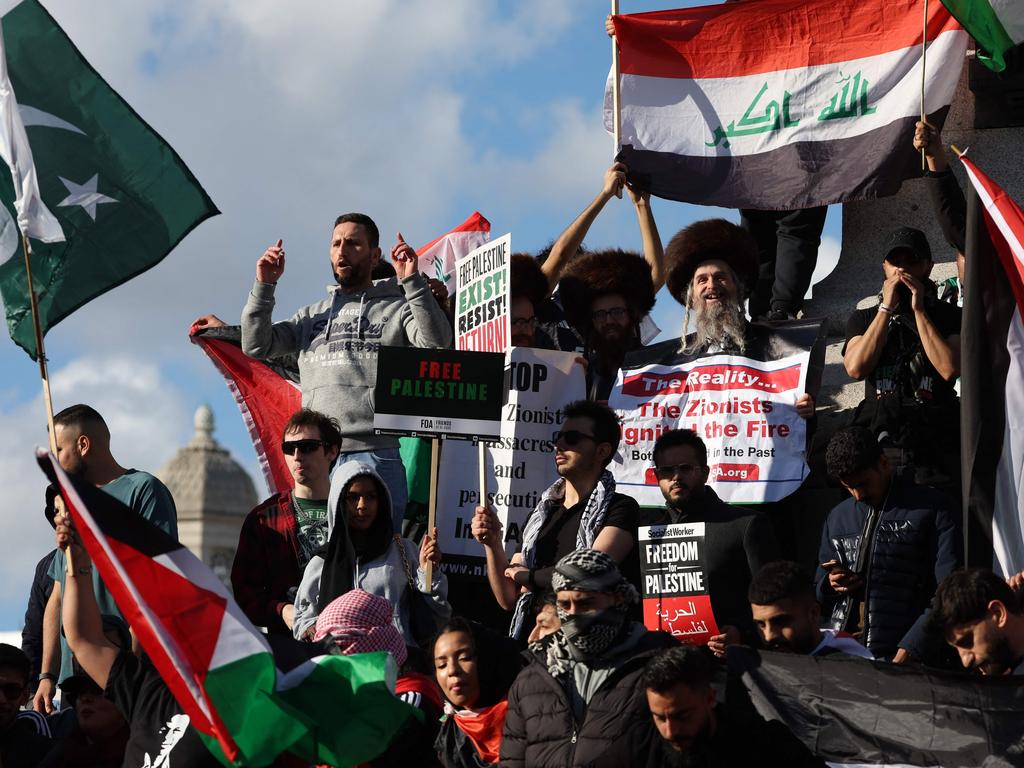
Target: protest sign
482 299
520 463
674 576
438 393
741 405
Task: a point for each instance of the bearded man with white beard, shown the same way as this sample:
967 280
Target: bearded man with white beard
712 264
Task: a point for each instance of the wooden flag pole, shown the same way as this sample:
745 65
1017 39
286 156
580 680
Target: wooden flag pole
616 96
956 150
40 351
432 504
924 57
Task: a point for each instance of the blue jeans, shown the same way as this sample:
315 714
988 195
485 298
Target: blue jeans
386 462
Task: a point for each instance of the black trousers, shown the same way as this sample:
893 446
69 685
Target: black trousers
787 247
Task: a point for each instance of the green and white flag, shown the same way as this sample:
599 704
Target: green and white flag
119 192
997 25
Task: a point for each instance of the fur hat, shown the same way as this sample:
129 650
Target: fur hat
527 279
706 240
599 273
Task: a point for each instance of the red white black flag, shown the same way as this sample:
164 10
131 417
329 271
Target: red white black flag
781 104
992 362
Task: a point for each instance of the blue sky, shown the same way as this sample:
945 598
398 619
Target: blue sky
417 113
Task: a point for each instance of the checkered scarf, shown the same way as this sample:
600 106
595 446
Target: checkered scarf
358 622
586 570
591 523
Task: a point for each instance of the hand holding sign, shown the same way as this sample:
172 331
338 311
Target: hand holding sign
430 552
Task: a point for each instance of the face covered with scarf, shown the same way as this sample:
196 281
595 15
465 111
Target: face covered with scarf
592 599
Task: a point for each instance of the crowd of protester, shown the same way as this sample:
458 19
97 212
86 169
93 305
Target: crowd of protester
569 675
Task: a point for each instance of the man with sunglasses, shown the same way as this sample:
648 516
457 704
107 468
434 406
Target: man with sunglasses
580 510
279 537
736 543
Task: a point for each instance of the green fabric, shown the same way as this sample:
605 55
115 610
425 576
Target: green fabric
336 710
983 24
101 142
142 493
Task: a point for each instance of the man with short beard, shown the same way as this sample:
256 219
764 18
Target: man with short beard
983 619
337 339
695 731
737 543
787 614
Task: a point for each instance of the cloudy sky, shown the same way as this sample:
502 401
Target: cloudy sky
415 112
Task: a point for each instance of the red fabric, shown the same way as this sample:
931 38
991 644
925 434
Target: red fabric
359 622
417 683
734 39
484 728
266 401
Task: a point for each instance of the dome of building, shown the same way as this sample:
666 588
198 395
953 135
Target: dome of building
212 493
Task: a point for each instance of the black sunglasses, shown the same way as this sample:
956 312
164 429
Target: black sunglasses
288 447
571 437
669 471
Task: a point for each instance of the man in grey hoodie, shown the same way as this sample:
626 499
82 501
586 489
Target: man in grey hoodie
337 339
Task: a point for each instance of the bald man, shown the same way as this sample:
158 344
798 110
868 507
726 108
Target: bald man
83 449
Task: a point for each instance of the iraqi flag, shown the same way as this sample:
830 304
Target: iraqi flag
992 365
781 104
437 258
861 714
267 394
338 710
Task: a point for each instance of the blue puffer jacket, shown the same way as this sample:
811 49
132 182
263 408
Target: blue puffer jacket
914 543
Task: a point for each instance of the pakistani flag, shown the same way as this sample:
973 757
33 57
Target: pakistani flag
119 192
337 710
996 25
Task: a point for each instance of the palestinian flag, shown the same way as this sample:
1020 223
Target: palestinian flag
996 25
267 394
992 379
121 195
781 104
437 258
853 712
338 710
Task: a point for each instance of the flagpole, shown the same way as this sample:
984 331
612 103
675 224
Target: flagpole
40 351
924 57
616 97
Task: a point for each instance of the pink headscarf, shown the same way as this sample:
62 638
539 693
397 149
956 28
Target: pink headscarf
358 622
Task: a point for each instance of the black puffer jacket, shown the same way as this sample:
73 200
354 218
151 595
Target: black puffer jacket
914 543
541 731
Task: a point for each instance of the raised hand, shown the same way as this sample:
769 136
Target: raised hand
270 266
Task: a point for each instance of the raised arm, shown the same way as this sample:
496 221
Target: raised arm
486 529
261 337
654 253
569 242
83 625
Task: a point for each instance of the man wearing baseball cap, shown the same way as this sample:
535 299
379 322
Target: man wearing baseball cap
907 351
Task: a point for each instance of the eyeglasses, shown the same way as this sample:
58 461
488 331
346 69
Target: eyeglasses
524 322
571 437
305 447
12 691
670 471
603 315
